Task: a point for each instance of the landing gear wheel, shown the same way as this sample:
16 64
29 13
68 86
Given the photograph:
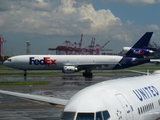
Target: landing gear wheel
87 75
84 74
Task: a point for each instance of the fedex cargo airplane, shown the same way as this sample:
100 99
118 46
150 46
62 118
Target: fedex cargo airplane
76 63
132 98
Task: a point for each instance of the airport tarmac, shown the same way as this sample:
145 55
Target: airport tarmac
61 86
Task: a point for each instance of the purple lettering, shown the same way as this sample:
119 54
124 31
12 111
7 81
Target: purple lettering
44 61
31 59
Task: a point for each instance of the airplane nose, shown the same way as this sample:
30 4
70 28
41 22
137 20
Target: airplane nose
6 63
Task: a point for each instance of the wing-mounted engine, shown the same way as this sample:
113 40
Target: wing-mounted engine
69 69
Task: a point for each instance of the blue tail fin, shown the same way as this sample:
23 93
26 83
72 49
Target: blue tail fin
142 43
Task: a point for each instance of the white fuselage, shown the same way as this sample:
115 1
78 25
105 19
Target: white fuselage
57 62
135 98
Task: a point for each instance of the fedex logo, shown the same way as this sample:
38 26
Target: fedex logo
44 61
138 52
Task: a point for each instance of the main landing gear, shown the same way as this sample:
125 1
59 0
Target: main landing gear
87 74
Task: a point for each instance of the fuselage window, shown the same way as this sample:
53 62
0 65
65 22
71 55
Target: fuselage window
152 106
67 116
149 107
145 108
85 116
139 111
159 102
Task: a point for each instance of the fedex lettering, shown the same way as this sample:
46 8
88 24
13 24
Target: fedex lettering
146 93
138 52
44 61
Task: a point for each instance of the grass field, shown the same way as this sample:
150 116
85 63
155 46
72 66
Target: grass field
24 82
8 71
2 67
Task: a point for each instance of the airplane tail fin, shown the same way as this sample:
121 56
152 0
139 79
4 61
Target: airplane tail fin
142 43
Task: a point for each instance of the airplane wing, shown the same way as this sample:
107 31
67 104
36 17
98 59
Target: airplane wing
140 72
51 100
91 66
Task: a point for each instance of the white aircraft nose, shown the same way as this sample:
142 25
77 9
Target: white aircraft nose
7 63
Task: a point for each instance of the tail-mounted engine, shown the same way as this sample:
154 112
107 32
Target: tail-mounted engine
139 51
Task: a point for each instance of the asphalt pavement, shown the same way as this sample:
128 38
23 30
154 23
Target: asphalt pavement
61 86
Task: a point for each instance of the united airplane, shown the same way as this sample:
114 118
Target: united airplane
132 98
76 63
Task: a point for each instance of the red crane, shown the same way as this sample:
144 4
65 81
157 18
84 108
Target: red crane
80 43
105 44
79 50
69 48
91 47
1 44
103 49
75 48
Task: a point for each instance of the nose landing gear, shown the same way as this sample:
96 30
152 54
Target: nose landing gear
25 74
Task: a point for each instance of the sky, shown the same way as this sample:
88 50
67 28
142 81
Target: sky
49 23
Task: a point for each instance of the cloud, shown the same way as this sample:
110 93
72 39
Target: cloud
60 17
64 18
153 27
136 1
142 1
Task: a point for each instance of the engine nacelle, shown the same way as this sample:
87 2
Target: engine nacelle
69 69
139 51
126 49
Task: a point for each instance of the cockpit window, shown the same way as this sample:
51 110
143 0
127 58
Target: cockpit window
68 116
98 116
85 116
9 60
106 115
103 115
